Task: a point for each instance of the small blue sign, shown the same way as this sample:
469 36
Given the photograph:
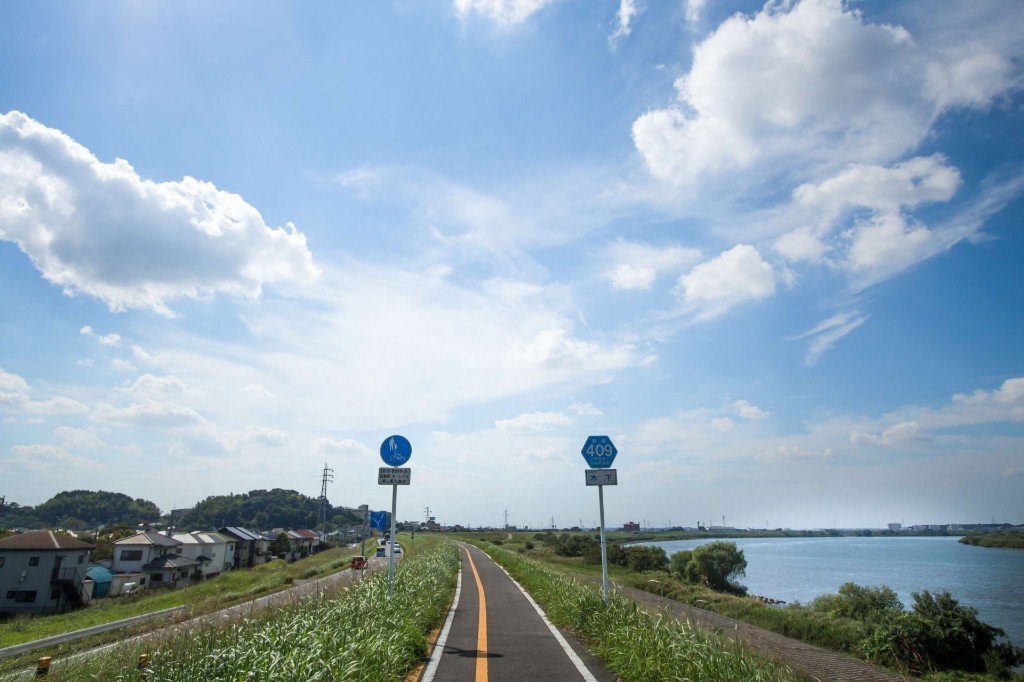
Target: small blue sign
599 451
379 520
395 451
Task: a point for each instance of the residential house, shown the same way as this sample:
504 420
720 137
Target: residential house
309 541
250 548
42 572
157 556
214 552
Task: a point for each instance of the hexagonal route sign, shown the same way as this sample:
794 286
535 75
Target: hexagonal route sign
599 451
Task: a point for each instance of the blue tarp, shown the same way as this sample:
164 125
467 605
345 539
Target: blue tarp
102 577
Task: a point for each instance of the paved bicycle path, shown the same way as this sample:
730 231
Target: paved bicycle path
497 634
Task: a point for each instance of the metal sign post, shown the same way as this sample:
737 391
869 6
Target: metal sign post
599 451
395 451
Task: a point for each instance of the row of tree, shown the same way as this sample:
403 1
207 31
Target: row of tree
258 509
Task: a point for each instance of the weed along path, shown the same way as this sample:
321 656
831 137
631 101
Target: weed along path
496 633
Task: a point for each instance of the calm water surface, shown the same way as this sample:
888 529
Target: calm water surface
800 569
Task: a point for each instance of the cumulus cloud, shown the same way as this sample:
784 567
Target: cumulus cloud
504 12
16 396
897 434
100 229
78 438
553 348
813 83
344 446
104 339
636 265
733 277
263 435
749 411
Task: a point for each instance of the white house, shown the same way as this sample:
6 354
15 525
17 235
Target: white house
42 572
214 552
155 555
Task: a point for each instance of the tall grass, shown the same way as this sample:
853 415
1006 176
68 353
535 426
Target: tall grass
637 646
356 633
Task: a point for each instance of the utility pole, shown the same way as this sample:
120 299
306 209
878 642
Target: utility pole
552 523
506 519
326 476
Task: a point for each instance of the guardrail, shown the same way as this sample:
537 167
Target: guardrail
87 632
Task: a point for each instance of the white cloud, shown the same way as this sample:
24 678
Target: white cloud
504 12
1008 400
263 435
636 265
826 334
47 458
534 421
797 453
15 395
897 434
723 424
623 18
749 411
12 382
149 413
585 410
693 10
78 438
887 243
733 277
106 339
100 229
344 446
812 83
909 184
149 385
555 348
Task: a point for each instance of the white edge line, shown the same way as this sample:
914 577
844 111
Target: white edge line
581 667
442 638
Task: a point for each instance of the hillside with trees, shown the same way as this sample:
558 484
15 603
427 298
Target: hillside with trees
81 509
261 510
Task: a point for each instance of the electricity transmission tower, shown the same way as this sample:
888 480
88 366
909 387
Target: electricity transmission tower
326 477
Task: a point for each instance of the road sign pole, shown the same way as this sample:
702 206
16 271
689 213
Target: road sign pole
604 546
391 553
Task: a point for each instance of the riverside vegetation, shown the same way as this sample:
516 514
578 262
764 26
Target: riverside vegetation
938 638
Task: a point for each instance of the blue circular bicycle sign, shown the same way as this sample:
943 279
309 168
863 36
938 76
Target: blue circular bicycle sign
395 451
599 451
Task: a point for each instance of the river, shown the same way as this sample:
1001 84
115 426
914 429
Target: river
800 569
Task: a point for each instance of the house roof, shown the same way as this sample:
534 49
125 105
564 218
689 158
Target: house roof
240 533
42 540
149 538
308 534
170 561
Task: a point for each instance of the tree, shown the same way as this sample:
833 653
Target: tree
858 602
280 546
716 564
939 634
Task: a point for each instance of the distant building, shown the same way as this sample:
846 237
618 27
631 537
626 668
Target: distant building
895 527
631 527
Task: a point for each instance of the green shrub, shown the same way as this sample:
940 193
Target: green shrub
858 602
715 564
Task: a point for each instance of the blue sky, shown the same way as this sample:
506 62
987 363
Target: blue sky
774 251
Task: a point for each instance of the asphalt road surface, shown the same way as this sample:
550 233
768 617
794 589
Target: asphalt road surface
497 634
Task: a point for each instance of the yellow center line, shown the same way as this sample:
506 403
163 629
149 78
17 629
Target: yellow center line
481 631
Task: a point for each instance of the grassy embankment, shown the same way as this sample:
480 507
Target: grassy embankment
1004 539
351 632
